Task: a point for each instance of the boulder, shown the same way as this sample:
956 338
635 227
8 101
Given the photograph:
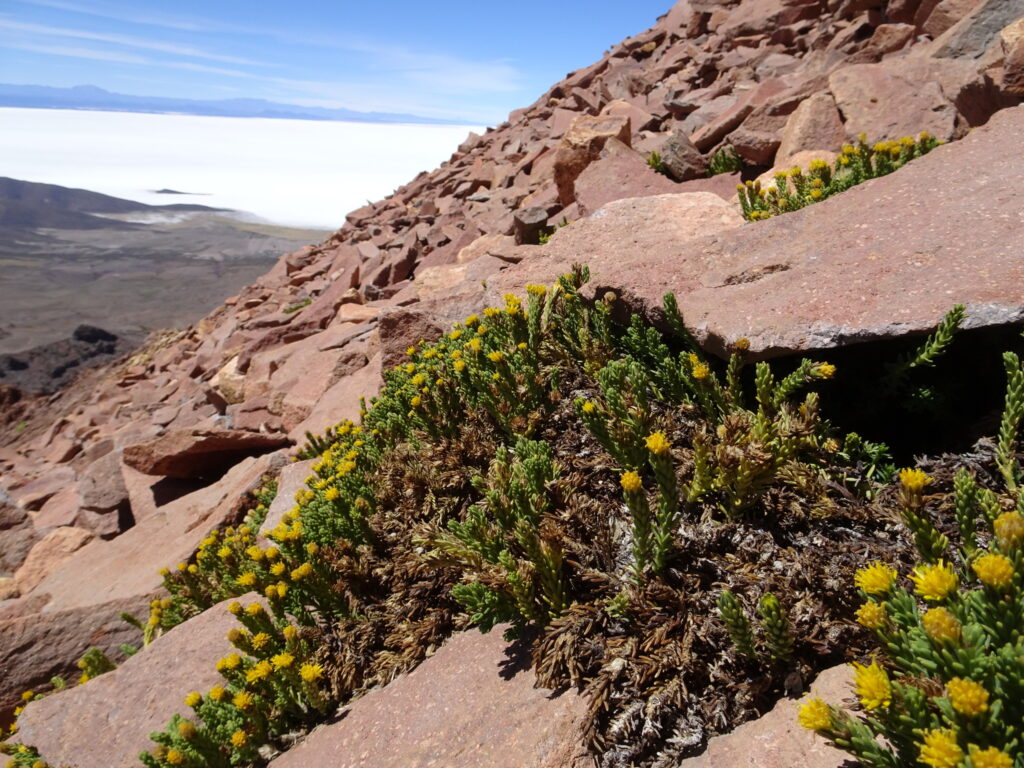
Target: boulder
404 327
17 535
618 173
878 101
581 145
60 509
292 479
206 453
473 703
529 224
48 554
681 159
341 401
814 125
776 740
884 259
972 35
37 646
133 700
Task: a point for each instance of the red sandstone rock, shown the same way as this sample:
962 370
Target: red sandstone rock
198 452
776 740
38 646
471 704
815 124
107 721
581 145
48 554
619 172
341 401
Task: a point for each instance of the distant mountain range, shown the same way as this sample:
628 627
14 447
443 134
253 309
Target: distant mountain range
91 97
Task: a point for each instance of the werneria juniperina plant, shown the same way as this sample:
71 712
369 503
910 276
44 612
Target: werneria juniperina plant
952 692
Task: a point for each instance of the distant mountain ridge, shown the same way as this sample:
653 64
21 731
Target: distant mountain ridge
27 204
92 97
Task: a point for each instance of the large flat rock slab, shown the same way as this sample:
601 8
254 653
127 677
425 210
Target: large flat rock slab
886 258
471 704
107 721
188 453
777 740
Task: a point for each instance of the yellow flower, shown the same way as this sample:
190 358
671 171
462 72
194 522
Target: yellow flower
174 757
993 757
454 335
474 345
254 609
194 699
872 615
302 572
941 625
260 671
311 672
239 739
701 371
246 579
876 579
290 633
994 570
631 482
967 697
815 715
914 480
224 553
459 366
1009 528
416 401
410 351
282 589
872 686
255 553
934 582
940 749
260 639
217 693
816 194
236 636
825 370
235 608
536 290
278 568
471 321
272 553
283 660
312 548
232 661
491 312
495 357
186 730
658 444
589 407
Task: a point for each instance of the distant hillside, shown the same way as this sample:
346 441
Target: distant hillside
91 97
27 205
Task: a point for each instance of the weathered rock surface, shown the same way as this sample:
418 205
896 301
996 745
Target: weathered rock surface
472 703
199 452
107 721
886 258
48 554
776 740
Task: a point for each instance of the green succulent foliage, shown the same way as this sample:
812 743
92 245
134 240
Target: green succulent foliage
856 163
725 160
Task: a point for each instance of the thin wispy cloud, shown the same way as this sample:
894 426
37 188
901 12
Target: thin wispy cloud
129 41
78 53
121 14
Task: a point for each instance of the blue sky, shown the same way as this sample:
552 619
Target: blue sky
463 60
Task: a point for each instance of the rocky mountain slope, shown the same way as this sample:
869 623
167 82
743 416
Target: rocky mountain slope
127 469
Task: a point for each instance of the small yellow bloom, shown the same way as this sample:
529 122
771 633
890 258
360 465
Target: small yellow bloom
914 480
631 482
302 572
872 615
174 757
967 697
459 366
246 579
332 494
940 749
410 351
232 661
941 625
254 609
27 696
239 739
658 444
290 633
416 401
994 570
1009 528
876 579
536 290
495 357
187 730
312 548
872 686
311 672
217 693
825 370
993 757
815 715
260 639
224 553
235 608
278 568
589 407
934 582
701 371
194 699
282 660
259 671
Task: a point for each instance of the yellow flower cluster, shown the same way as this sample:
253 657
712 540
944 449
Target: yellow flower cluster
994 570
914 480
877 579
631 482
935 582
941 625
967 697
658 444
872 686
872 615
815 715
940 749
